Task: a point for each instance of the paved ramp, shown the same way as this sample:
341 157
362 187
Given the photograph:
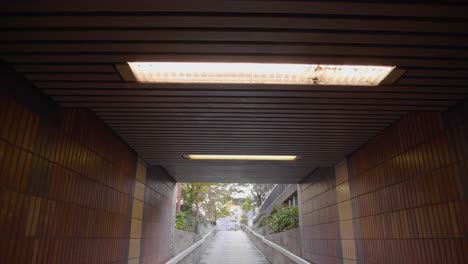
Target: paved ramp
232 247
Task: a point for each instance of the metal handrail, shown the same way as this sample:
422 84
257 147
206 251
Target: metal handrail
282 250
189 250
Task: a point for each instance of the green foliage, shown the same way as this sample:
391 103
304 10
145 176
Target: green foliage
222 210
258 191
218 201
274 211
244 220
263 221
284 219
247 205
186 221
213 201
189 194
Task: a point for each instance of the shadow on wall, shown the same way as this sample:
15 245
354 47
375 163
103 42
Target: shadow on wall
184 240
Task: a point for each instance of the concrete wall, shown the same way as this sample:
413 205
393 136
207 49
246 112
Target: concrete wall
204 228
196 255
264 230
71 190
400 198
183 240
290 240
273 255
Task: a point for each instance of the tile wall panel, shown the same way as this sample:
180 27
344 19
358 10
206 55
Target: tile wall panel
64 187
406 193
408 190
158 217
71 190
152 216
320 226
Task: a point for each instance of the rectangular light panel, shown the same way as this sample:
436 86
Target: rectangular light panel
240 157
258 73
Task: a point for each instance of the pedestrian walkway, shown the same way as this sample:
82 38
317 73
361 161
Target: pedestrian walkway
232 247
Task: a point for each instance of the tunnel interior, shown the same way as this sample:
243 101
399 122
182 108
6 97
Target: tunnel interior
90 154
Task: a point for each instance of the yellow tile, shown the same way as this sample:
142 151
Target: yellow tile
136 228
137 209
348 261
33 216
139 190
141 171
345 210
341 171
348 250
134 248
35 251
29 218
342 192
346 229
134 261
36 216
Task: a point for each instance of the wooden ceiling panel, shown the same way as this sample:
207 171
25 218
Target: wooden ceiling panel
260 56
236 48
343 8
69 50
213 36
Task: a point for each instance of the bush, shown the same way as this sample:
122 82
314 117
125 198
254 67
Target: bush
186 221
263 221
284 219
257 218
244 220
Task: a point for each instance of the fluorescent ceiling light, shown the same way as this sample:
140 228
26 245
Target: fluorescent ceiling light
258 73
240 157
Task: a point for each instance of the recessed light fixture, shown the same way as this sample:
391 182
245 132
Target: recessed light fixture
258 73
241 157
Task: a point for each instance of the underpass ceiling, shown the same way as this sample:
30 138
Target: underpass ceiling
69 50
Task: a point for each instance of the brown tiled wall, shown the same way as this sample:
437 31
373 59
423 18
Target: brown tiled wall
152 216
408 194
71 191
64 187
319 217
158 218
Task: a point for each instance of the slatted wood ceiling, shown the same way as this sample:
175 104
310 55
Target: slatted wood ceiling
69 49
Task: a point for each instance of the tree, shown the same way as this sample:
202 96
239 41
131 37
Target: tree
188 197
179 193
247 205
213 199
217 201
200 195
258 192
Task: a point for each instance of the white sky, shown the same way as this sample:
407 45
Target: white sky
245 191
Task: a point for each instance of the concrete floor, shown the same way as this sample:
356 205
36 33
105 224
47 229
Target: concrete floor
232 247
